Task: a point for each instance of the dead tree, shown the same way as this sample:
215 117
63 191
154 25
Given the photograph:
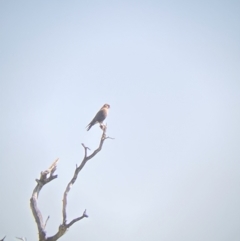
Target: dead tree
46 177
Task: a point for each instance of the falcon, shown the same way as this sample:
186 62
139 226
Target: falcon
99 117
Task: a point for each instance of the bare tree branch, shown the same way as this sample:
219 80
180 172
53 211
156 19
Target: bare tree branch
46 221
84 215
46 177
78 169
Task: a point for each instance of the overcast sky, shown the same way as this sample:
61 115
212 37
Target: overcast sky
170 71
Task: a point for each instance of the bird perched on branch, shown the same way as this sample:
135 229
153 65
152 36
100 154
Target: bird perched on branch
99 117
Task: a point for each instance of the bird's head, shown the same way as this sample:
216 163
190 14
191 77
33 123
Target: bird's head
106 106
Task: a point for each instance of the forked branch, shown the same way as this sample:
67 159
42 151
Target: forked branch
46 177
74 178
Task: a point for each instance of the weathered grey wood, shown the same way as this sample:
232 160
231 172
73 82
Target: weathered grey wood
46 177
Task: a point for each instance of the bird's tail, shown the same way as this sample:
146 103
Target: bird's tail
89 126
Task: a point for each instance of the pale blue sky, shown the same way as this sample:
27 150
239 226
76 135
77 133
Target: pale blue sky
170 71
